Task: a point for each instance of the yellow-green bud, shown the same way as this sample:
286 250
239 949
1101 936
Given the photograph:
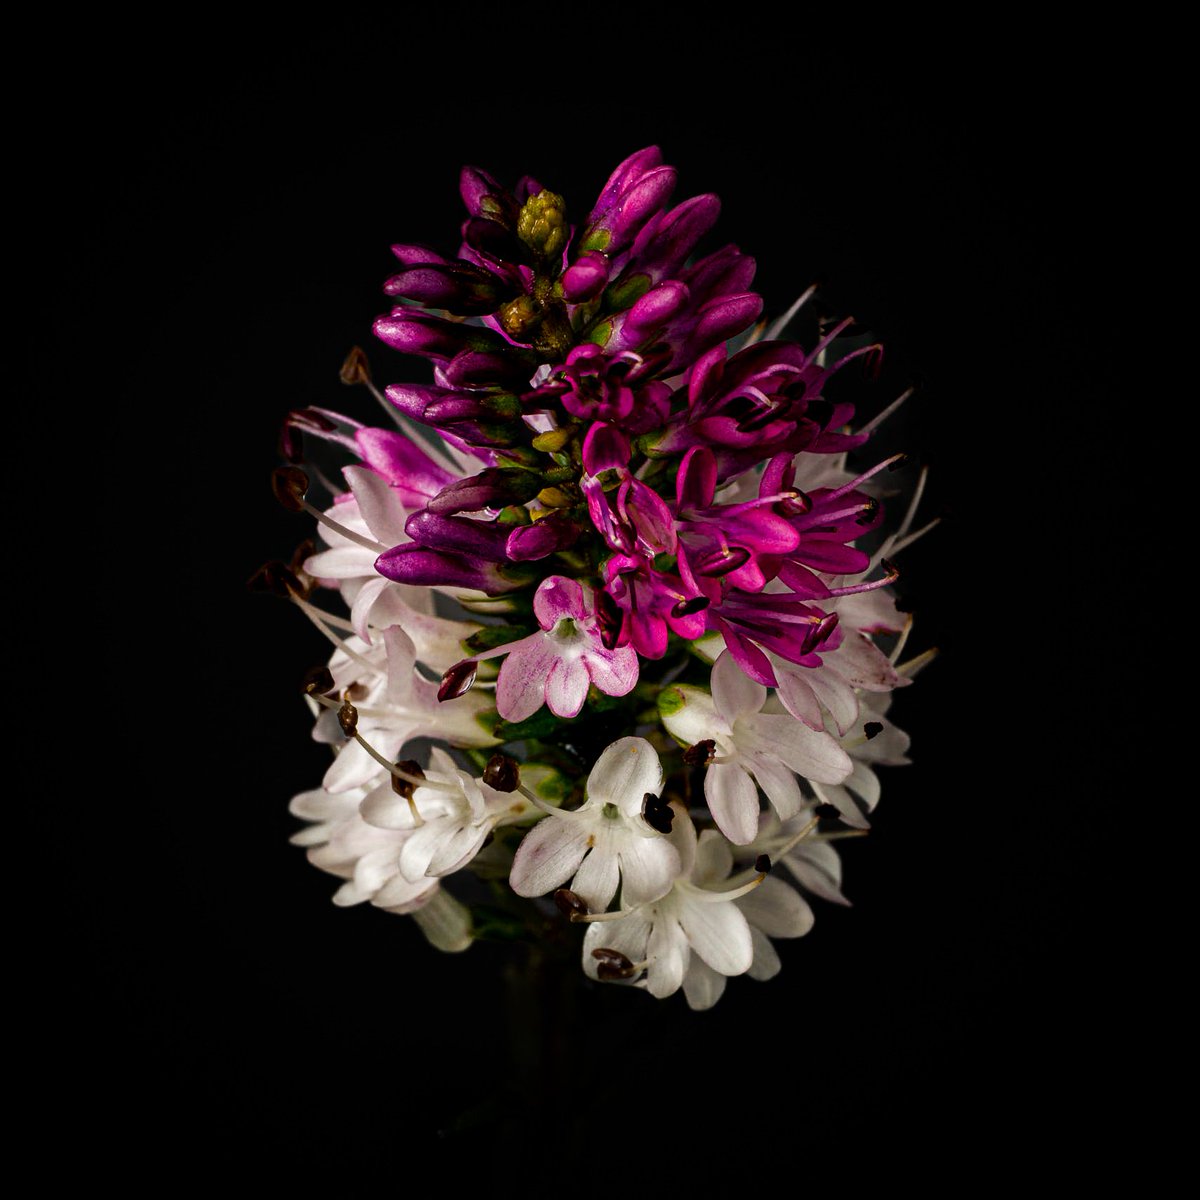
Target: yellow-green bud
520 316
542 224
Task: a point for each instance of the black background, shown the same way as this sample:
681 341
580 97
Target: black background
217 215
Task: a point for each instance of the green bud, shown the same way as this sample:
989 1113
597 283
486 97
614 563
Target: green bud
542 224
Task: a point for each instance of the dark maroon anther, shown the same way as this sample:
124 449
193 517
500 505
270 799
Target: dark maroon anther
612 965
762 864
797 505
657 812
869 513
827 812
891 568
355 369
721 562
694 604
277 579
348 718
404 788
899 461
819 632
502 773
872 729
699 755
570 904
318 680
289 485
457 681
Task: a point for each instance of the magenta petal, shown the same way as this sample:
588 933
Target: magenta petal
604 448
697 481
646 510
402 463
614 672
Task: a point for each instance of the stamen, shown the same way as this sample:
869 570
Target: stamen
319 679
701 754
657 812
898 649
315 616
781 323
879 419
709 897
612 965
458 679
502 773
827 811
853 589
685 608
913 665
872 729
355 368
290 485
569 903
762 864
604 916
894 463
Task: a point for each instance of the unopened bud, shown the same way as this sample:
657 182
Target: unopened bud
502 773
542 224
552 439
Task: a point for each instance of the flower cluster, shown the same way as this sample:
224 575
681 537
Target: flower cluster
607 570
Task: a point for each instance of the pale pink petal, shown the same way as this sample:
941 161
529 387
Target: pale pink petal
818 869
360 610
797 696
714 859
342 562
378 505
548 856
401 660
385 809
457 849
521 688
419 849
733 692
836 694
864 665
733 801
558 597
614 672
719 934
566 686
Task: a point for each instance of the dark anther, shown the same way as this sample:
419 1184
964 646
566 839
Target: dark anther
458 679
699 755
685 608
358 692
873 729
569 904
319 680
827 812
762 864
890 567
898 462
403 787
277 579
797 506
723 561
869 512
289 485
657 812
502 773
355 369
612 964
348 718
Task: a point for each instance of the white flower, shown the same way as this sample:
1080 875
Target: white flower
750 745
605 840
454 815
661 935
813 861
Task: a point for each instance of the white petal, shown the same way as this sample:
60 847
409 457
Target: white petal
596 880
628 936
445 922
419 849
796 693
649 866
378 505
702 986
766 964
548 856
778 782
809 753
818 869
668 953
714 859
836 694
777 909
623 774
360 610
733 801
719 934
734 693
456 850
696 719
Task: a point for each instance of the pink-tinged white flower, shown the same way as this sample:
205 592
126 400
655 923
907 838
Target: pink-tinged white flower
774 909
556 665
660 936
448 818
606 841
750 746
395 704
812 860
